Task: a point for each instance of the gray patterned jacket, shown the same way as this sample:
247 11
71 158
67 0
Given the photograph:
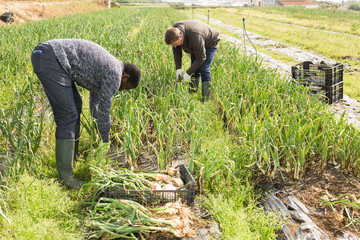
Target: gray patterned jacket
93 68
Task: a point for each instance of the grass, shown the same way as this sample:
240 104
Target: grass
230 202
39 209
232 210
324 19
351 87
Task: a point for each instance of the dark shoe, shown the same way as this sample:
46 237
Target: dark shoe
205 90
77 139
64 162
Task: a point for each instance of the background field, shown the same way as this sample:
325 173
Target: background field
332 34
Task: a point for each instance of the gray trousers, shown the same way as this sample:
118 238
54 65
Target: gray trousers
60 90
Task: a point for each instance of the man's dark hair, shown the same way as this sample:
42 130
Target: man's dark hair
134 73
171 35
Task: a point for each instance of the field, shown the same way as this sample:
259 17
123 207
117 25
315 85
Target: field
331 34
257 125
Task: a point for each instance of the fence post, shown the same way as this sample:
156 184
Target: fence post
208 16
244 36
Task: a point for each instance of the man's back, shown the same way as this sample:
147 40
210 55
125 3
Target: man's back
88 64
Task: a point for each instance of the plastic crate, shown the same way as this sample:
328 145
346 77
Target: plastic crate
331 94
156 197
317 74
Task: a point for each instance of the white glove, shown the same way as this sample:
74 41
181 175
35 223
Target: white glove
187 78
178 74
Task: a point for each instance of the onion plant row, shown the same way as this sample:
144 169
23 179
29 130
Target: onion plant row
285 127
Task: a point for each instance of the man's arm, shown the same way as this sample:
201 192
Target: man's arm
94 103
177 57
100 107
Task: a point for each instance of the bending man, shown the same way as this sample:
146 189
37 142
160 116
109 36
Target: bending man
201 41
59 64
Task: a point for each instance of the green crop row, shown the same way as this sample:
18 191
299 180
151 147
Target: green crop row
283 126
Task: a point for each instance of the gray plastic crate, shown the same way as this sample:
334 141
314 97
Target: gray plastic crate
157 197
318 74
331 94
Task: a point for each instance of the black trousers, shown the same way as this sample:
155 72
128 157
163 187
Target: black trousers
60 90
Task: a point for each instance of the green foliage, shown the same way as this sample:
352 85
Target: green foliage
38 209
354 6
238 216
22 125
283 127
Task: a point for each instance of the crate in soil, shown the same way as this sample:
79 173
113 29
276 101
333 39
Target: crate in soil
317 74
157 197
331 94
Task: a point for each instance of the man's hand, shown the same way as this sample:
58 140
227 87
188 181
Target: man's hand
178 75
187 78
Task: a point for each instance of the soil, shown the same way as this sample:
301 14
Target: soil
317 192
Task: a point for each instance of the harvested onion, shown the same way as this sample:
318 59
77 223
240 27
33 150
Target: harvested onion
171 171
178 182
162 177
155 186
169 187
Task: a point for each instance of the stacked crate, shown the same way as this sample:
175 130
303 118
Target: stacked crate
322 78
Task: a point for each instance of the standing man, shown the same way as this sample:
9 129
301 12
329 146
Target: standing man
201 41
59 64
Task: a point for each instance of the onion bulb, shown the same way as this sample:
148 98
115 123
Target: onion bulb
178 182
162 177
171 171
155 186
169 187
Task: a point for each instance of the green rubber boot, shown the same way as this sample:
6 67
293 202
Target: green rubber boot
205 90
77 139
64 162
194 85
